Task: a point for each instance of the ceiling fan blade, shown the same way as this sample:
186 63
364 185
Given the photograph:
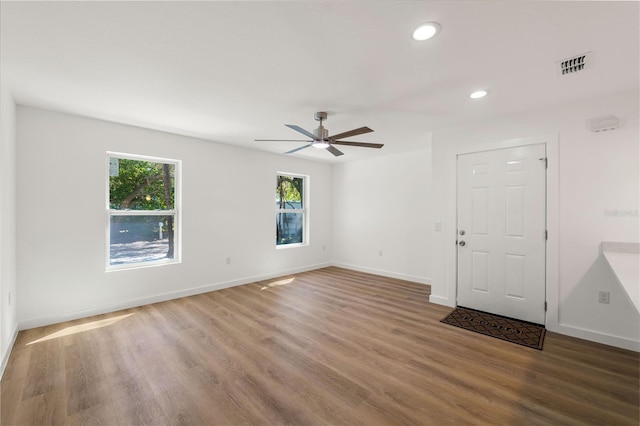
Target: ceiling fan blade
362 144
301 130
350 133
335 151
281 140
298 149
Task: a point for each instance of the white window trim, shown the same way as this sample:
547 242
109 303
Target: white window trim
177 221
304 210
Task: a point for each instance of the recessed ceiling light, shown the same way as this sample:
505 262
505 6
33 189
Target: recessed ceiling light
426 31
478 94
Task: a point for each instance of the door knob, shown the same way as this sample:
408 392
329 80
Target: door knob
461 243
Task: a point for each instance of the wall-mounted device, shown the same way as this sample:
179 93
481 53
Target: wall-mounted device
603 124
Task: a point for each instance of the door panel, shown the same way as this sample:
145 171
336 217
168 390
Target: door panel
480 211
501 212
480 271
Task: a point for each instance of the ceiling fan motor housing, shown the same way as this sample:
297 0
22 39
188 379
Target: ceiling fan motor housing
321 133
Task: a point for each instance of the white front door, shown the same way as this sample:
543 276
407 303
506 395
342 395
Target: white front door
502 232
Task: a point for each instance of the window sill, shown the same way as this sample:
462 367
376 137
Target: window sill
141 265
287 246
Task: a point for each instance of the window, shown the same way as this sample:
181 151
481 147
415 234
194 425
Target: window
291 210
143 204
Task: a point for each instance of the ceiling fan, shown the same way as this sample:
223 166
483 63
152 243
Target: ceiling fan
320 138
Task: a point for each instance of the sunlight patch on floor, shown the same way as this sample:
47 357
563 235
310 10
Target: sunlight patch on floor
278 283
81 328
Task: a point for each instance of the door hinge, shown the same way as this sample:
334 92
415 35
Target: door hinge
545 306
546 162
546 234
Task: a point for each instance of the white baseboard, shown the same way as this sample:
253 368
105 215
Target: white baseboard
606 339
103 309
399 276
439 300
5 356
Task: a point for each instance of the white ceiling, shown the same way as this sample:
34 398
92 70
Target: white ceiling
232 72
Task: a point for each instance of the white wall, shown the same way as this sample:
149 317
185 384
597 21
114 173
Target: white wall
382 204
8 319
228 211
597 173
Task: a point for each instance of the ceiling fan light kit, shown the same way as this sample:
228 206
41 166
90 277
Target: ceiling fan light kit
320 144
320 138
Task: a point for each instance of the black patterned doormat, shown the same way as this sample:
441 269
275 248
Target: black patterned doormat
520 332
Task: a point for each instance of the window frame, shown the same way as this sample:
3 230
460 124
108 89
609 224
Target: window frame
304 211
175 212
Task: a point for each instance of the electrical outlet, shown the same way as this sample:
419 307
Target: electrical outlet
438 226
603 297
228 261
380 253
324 248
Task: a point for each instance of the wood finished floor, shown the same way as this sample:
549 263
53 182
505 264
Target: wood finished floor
330 347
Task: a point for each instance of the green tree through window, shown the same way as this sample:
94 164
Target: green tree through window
290 210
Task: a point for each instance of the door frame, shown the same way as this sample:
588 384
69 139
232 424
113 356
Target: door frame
552 212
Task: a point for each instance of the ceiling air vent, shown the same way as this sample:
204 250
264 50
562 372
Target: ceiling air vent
575 64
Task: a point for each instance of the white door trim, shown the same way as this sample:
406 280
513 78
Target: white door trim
552 272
